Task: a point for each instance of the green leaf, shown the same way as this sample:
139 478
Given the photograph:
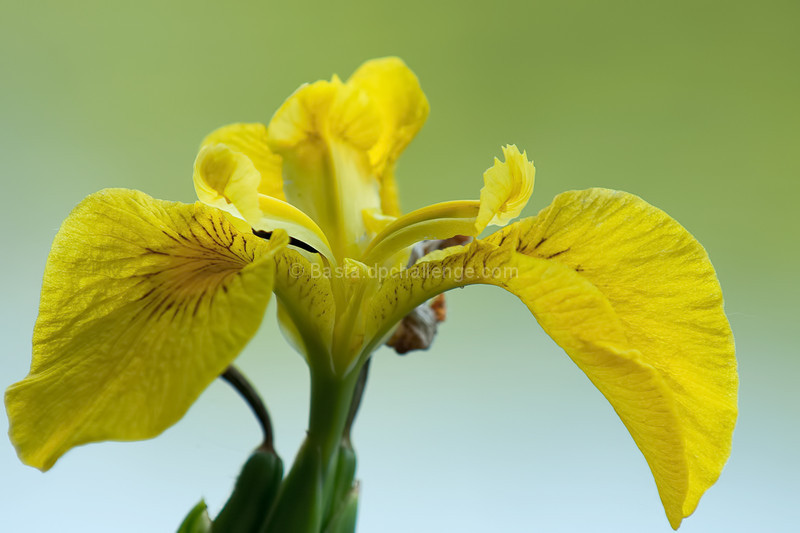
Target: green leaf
344 519
197 520
255 490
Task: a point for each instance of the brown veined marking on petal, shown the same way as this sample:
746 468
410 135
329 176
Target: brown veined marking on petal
178 264
103 277
192 268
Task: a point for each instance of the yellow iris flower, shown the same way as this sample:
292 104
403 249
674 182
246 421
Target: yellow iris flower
145 302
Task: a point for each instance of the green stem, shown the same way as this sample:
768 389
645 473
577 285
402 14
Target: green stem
355 404
331 398
300 504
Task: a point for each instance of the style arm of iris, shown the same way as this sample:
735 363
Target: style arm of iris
438 221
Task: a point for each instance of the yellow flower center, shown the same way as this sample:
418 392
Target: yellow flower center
323 170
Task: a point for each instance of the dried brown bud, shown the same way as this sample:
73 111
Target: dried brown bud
417 329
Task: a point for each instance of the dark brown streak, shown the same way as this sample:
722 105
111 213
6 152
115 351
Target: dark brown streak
180 309
209 233
191 262
154 300
148 293
157 307
170 236
503 239
198 269
557 254
297 243
310 288
471 255
156 252
197 304
199 243
165 309
216 223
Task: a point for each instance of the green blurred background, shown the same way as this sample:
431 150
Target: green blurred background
691 105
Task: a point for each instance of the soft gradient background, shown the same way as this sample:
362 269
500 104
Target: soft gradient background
692 105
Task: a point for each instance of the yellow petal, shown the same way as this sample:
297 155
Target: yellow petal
144 303
250 140
323 132
403 108
277 214
307 304
390 200
227 180
633 299
507 187
375 221
321 110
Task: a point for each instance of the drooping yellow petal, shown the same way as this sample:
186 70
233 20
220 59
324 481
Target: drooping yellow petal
251 141
633 299
323 132
403 108
507 187
144 303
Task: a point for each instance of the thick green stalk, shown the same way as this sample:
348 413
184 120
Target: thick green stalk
331 398
300 502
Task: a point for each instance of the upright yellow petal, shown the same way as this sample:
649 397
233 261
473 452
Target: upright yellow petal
144 303
321 110
250 140
323 132
403 108
633 299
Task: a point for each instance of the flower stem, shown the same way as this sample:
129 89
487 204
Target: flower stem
358 394
301 502
331 401
239 382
